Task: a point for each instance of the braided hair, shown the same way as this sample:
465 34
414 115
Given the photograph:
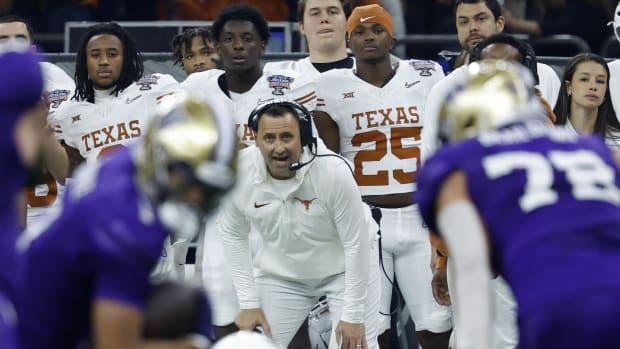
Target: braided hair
132 69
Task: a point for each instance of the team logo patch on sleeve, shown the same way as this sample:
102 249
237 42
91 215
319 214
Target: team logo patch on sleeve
278 83
146 82
56 97
425 68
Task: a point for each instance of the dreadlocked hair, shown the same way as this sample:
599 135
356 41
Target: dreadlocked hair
132 69
183 41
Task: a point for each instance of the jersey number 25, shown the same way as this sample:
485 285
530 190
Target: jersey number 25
381 178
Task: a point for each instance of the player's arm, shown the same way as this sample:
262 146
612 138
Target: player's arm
56 159
439 257
74 157
351 218
328 130
463 231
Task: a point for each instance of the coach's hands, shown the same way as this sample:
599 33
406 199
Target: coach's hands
249 319
440 286
351 336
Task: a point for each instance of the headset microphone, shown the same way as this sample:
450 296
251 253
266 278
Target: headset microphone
297 165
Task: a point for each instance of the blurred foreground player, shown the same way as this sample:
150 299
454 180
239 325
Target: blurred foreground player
493 198
22 117
96 274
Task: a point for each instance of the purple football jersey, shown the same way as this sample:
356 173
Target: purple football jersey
103 246
550 201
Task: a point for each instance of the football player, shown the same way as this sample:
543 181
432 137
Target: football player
490 192
22 140
194 49
373 115
95 275
241 35
113 102
111 108
324 24
45 193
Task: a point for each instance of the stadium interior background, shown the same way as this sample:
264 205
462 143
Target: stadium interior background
58 26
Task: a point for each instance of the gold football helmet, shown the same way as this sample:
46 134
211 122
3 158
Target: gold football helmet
494 93
187 161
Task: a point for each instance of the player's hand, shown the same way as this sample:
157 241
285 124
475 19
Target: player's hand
351 336
433 264
249 319
440 286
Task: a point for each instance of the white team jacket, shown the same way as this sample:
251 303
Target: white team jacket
319 229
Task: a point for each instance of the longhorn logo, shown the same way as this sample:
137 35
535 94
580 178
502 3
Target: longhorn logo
306 202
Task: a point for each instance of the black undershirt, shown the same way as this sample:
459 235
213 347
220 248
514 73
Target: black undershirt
343 63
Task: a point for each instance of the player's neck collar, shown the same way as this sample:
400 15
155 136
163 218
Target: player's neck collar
103 94
372 73
243 81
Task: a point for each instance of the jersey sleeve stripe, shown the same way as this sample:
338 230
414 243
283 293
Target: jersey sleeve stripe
307 98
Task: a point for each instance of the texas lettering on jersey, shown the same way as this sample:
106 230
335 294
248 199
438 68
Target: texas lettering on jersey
380 127
111 134
386 117
113 121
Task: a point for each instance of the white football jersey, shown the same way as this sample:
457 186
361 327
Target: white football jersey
273 84
303 66
45 197
112 121
380 127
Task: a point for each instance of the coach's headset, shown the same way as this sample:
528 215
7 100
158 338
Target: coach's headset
304 119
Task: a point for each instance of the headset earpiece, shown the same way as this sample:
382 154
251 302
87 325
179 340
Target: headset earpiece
303 116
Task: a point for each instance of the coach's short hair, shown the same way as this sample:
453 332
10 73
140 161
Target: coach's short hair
16 18
493 5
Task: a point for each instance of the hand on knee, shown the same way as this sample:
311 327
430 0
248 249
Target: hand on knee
249 319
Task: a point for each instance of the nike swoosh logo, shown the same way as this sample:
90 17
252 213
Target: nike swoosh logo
131 100
407 84
257 205
364 19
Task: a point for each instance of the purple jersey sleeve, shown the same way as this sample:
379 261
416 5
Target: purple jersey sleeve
434 172
103 246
